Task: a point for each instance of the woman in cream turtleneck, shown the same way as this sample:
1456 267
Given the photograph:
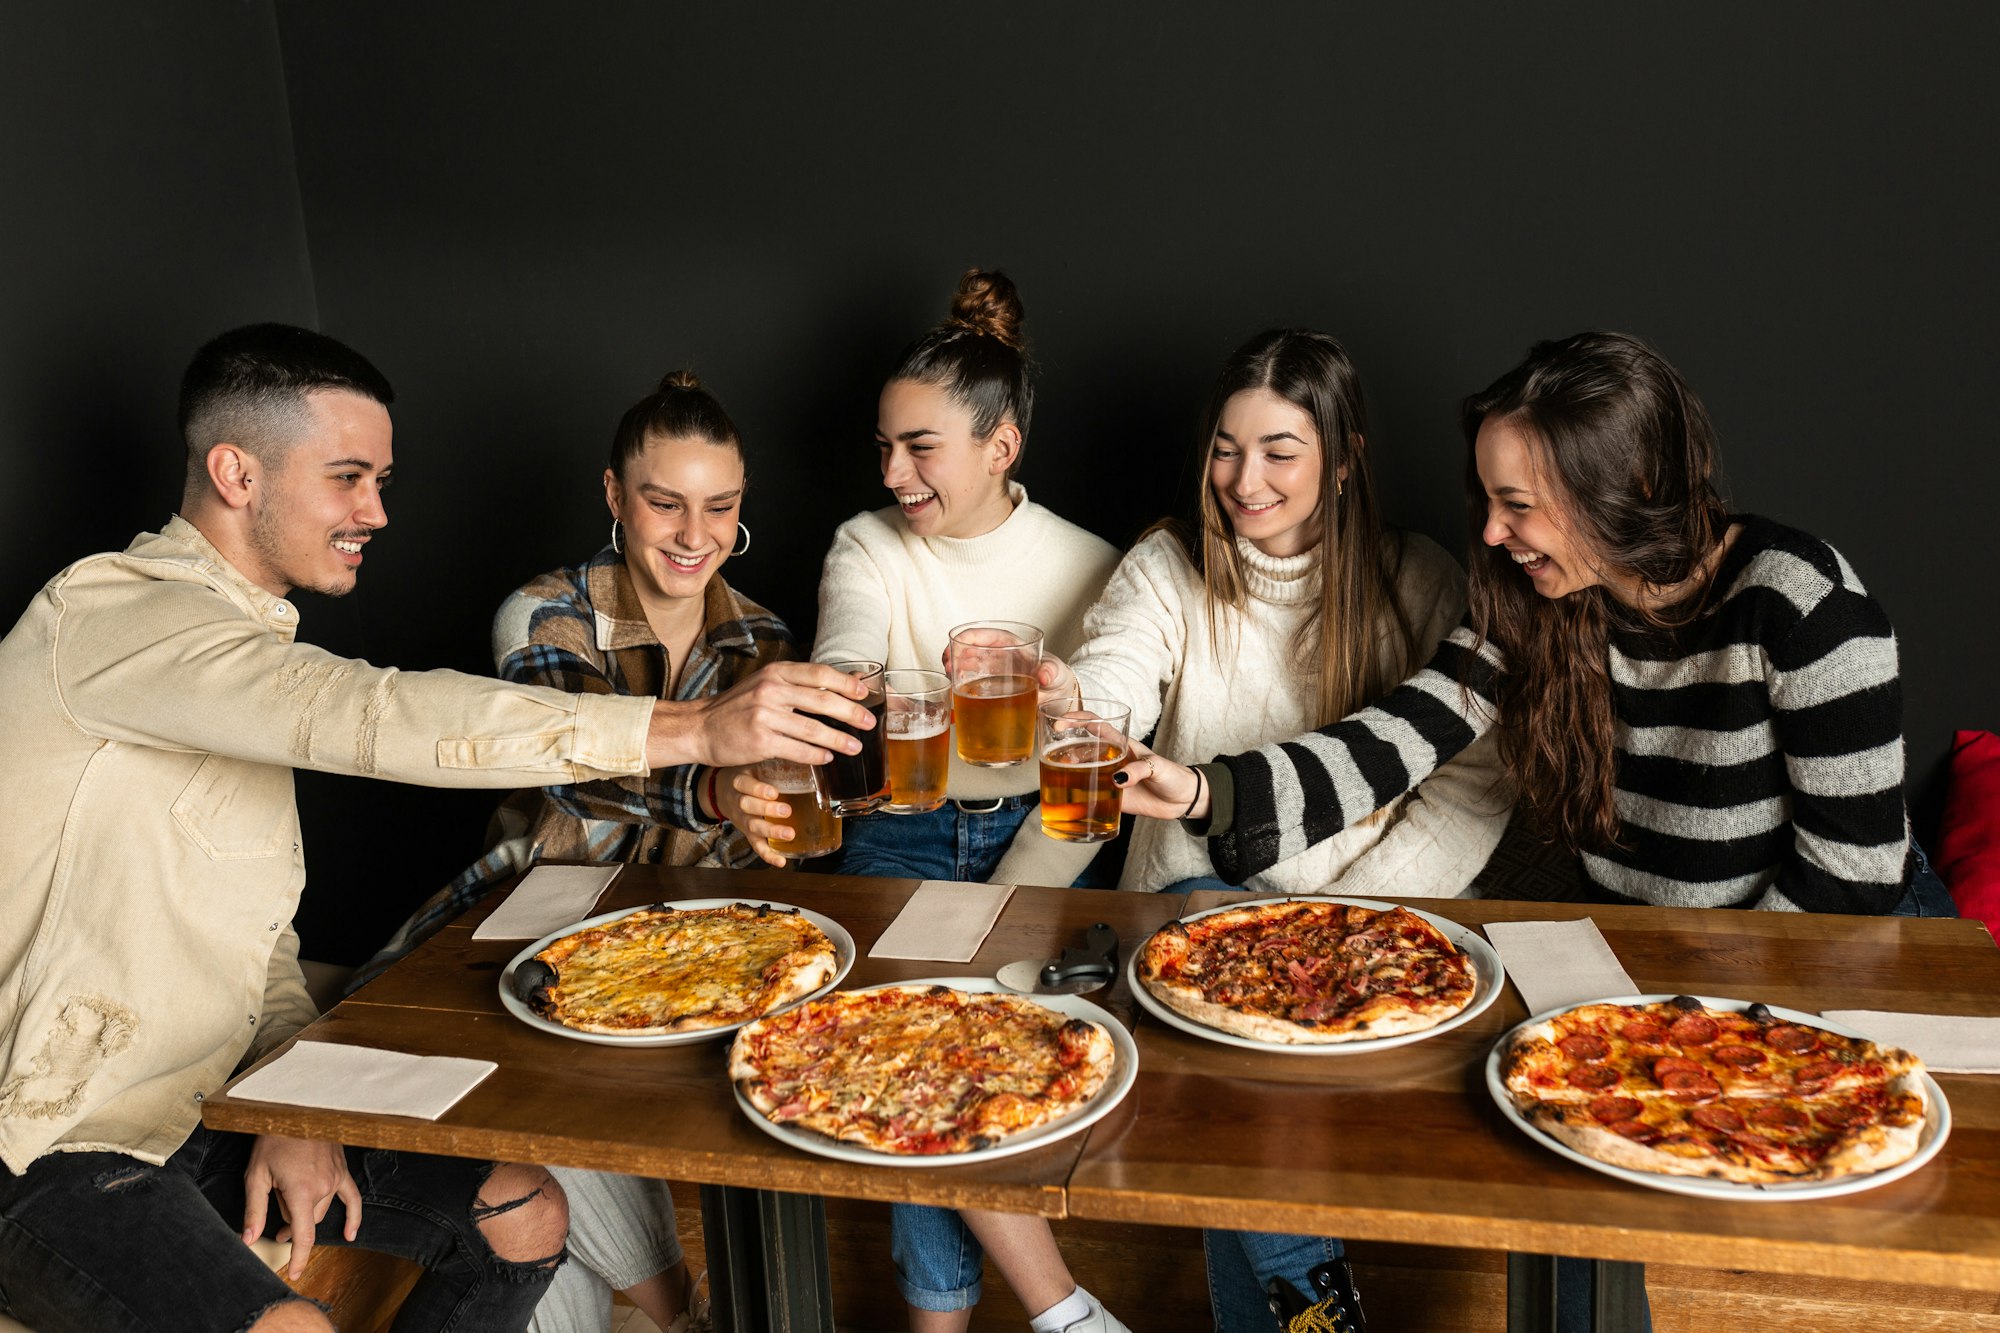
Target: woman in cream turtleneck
1290 606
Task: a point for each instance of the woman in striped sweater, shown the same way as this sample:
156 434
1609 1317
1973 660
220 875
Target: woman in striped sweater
1705 706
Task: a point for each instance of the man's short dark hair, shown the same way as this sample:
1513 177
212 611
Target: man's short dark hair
249 386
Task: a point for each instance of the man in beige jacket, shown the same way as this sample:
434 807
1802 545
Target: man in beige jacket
153 704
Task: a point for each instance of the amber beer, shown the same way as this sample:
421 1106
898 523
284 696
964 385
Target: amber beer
918 745
993 691
816 828
1082 745
996 720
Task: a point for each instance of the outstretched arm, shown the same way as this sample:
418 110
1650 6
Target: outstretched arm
1283 798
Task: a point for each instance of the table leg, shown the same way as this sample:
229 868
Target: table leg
767 1265
1617 1296
1531 1293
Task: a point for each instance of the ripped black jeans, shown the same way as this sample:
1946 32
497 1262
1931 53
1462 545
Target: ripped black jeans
100 1242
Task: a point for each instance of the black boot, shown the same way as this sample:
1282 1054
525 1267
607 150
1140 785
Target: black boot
1338 1309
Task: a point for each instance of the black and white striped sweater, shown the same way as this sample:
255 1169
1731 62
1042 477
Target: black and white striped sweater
1759 750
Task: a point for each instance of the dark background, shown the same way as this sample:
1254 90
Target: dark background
525 216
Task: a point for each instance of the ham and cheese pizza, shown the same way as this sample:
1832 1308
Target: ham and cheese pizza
921 1069
661 970
1680 1088
1308 972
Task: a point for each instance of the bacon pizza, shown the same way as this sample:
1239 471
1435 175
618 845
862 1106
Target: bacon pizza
1304 972
920 1070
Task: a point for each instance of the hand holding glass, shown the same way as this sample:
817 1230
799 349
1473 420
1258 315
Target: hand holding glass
1082 744
813 821
993 691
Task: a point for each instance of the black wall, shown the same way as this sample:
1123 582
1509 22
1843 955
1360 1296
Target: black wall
526 216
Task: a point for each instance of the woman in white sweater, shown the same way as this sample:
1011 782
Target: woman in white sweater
1288 606
962 542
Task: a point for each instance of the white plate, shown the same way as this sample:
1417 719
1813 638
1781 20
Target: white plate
843 960
1489 978
1124 1072
1937 1121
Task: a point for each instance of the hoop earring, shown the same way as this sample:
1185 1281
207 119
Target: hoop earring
617 534
746 540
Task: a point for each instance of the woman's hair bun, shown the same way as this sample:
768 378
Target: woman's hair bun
986 302
679 379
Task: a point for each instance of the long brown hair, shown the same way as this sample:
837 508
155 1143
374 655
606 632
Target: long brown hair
1357 566
1629 457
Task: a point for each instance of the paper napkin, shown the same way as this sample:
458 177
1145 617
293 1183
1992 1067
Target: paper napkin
1555 964
1949 1043
547 899
361 1078
943 920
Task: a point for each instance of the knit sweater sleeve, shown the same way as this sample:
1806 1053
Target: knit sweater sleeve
1837 710
1445 832
855 604
1135 637
1293 794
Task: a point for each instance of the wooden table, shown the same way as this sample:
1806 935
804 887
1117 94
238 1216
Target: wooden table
1407 1145
669 1111
1404 1145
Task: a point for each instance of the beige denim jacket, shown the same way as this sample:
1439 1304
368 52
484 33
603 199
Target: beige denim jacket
153 704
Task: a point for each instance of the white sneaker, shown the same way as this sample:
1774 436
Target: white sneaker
1099 1320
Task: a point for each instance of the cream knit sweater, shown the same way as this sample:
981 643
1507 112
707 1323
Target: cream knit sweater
1148 644
888 595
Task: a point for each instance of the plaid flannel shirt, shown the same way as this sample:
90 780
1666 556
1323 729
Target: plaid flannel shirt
583 630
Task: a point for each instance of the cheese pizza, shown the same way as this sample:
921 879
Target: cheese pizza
661 970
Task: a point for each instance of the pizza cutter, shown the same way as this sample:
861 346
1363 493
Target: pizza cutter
1089 968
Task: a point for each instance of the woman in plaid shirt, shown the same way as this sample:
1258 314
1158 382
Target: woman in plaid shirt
647 615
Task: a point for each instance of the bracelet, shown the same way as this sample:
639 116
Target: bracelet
714 805
1199 783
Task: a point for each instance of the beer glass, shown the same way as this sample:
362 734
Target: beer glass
993 691
859 783
918 746
813 818
1082 743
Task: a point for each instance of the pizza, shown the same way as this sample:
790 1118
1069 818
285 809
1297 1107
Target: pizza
1308 972
1679 1088
661 970
920 1070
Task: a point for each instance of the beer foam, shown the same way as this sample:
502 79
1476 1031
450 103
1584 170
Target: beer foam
904 726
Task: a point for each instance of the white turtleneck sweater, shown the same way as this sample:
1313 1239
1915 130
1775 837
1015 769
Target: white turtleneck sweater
1148 643
888 595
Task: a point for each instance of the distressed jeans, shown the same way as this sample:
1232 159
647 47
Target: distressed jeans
99 1242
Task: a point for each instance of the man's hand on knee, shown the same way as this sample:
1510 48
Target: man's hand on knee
307 1175
522 1213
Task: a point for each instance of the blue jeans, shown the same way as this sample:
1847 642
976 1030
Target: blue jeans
946 843
1926 894
937 1260
99 1242
1241 1262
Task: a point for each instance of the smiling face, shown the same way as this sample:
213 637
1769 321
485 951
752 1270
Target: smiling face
1525 514
679 499
317 507
946 482
1264 465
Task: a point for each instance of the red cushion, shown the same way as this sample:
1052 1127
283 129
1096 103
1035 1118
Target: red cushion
1968 858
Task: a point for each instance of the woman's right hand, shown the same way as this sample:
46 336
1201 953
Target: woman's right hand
755 807
1158 788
